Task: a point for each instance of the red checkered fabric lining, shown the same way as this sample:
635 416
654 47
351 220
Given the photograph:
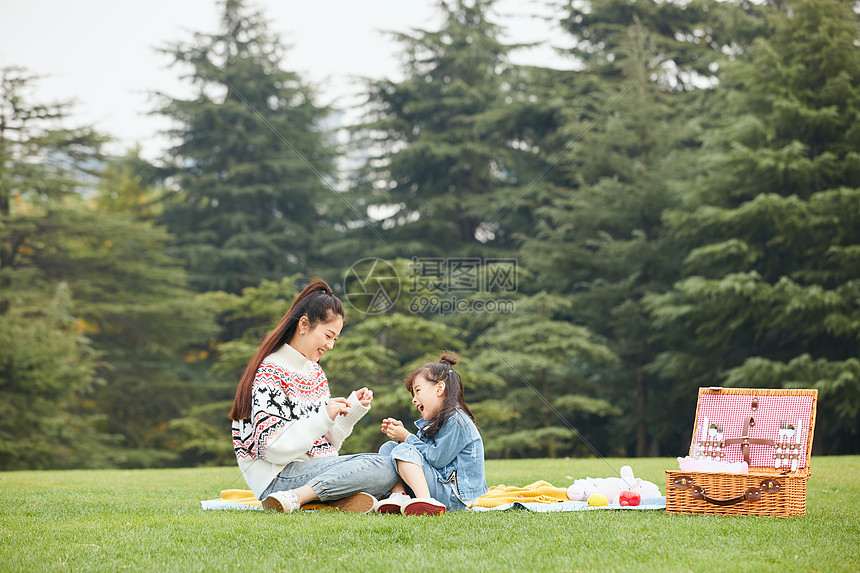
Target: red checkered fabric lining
730 411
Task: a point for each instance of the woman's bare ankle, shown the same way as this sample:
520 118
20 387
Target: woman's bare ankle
305 494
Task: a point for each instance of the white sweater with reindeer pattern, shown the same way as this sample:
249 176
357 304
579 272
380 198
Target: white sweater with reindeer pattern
288 420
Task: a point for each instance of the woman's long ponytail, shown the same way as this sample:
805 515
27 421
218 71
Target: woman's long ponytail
318 303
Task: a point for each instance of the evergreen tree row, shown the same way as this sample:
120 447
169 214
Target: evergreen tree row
681 210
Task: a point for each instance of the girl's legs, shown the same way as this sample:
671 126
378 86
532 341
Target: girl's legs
410 464
424 503
415 479
432 496
413 475
386 450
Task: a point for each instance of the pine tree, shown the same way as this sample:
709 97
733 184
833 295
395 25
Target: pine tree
47 363
688 41
95 315
544 361
625 168
151 330
251 197
48 366
446 141
771 293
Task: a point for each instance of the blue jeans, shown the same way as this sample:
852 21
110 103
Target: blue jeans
335 477
441 489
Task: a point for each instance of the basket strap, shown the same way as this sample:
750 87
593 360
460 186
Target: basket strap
745 439
751 494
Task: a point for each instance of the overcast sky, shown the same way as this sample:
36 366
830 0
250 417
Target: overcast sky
102 53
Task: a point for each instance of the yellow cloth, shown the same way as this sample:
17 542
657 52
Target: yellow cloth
243 496
537 492
246 497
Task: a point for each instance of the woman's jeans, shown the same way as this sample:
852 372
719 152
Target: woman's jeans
335 477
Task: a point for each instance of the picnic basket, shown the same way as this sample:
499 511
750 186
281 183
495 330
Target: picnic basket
769 429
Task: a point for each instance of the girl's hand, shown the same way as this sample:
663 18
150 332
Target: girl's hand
394 429
365 397
337 407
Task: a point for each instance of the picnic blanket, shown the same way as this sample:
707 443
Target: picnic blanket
244 499
539 496
542 496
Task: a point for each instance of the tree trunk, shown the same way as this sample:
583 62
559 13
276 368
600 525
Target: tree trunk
547 419
641 408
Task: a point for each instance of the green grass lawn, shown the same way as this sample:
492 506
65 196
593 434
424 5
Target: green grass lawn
151 520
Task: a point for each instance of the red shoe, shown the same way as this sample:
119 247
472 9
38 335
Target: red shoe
423 506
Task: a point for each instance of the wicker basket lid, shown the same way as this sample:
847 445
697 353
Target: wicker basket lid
765 427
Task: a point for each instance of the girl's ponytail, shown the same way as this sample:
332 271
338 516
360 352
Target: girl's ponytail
443 371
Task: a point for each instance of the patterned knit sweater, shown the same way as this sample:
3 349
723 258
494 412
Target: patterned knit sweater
288 418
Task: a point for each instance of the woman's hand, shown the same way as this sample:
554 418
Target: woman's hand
394 429
364 396
337 407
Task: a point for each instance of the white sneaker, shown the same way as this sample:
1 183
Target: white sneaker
393 503
285 501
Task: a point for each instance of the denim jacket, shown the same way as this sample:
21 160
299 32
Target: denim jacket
457 447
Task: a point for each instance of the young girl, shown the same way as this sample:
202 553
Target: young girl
287 429
443 465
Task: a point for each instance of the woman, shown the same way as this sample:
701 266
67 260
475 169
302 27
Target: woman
287 429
